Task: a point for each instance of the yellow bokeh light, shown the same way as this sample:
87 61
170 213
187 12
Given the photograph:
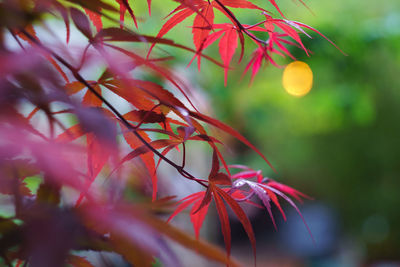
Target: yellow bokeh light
297 78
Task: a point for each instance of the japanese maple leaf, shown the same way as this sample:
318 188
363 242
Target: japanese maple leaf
261 53
267 191
227 47
276 41
178 15
124 6
198 211
275 38
227 44
95 18
291 27
203 22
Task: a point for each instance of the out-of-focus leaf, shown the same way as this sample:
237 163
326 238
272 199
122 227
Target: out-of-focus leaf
120 220
64 13
93 5
201 247
71 134
131 252
31 31
81 22
99 122
120 35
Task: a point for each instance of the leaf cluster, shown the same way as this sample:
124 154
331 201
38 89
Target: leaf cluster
86 169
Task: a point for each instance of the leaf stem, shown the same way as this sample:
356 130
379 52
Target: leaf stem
241 27
183 154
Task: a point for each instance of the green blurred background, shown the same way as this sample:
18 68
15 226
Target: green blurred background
341 142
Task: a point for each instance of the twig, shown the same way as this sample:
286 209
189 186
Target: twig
79 78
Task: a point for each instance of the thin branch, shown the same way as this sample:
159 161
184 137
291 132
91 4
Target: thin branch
255 25
183 155
79 78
